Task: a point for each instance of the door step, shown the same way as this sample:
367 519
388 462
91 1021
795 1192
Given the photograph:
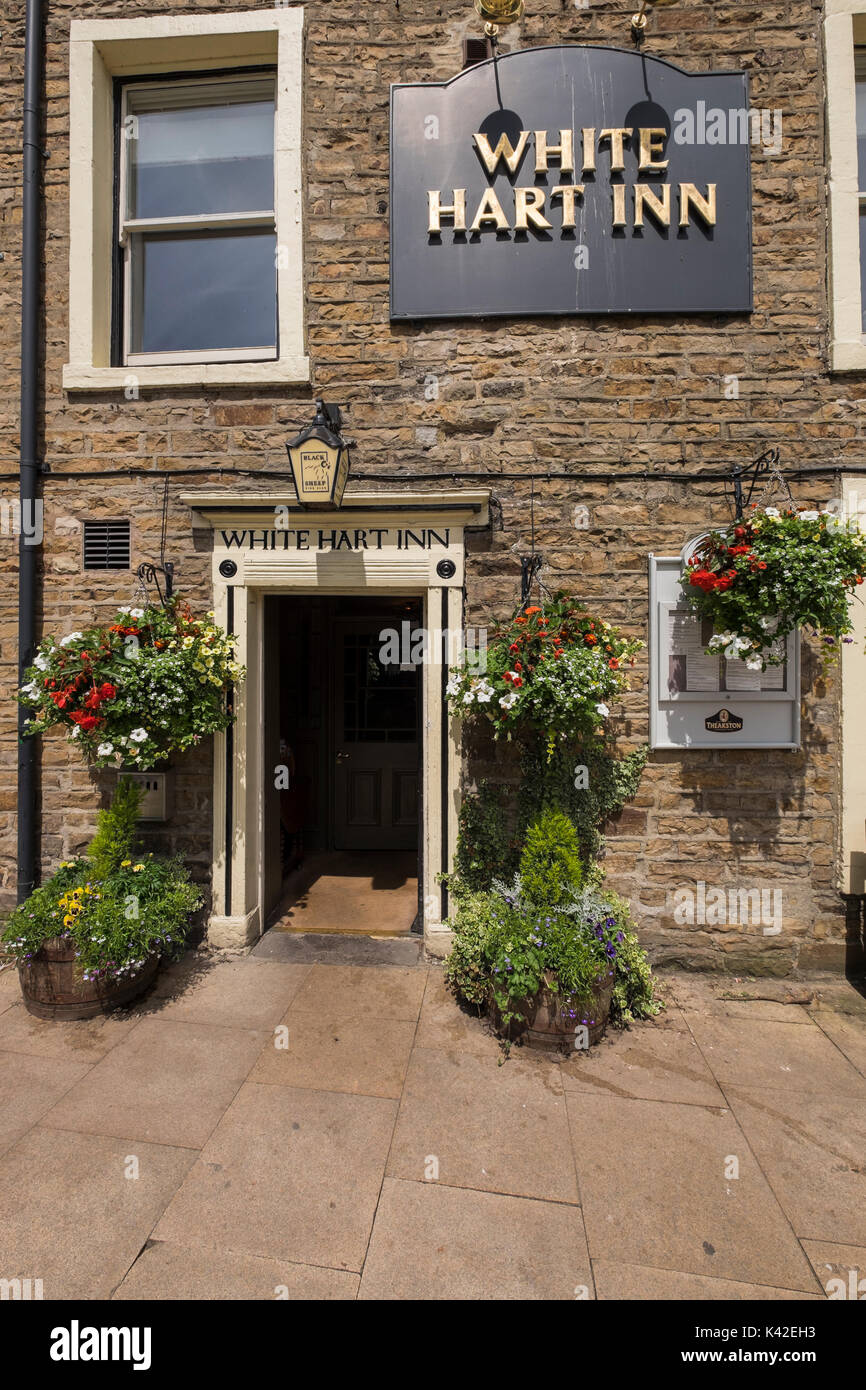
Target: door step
320 948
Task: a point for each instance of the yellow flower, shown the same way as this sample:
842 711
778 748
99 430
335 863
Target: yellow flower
138 868
125 863
67 921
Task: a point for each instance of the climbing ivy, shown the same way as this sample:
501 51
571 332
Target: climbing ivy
589 784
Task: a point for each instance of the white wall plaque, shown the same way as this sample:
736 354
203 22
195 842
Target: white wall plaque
703 701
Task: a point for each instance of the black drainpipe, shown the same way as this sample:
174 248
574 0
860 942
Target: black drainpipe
31 289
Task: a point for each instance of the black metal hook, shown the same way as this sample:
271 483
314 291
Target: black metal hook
769 459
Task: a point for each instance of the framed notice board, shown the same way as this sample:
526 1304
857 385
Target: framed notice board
703 701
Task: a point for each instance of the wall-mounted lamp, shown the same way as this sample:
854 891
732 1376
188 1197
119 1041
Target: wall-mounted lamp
320 459
638 21
498 13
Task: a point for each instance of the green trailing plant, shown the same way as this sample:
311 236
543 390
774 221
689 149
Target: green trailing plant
116 827
550 865
484 849
474 921
589 784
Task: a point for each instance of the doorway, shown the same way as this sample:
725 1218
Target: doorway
342 732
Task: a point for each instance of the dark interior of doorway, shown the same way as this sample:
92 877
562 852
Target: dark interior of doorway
342 759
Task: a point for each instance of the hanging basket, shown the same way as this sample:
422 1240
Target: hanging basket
767 574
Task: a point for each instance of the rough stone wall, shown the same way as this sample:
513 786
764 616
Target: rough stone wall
591 396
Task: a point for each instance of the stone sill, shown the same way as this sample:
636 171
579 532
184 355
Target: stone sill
286 371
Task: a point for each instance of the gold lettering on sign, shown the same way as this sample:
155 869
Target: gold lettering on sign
438 210
528 203
567 192
504 150
618 191
490 210
651 145
617 135
588 133
660 208
704 207
564 151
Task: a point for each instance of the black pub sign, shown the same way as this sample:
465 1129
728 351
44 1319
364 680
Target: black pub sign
571 180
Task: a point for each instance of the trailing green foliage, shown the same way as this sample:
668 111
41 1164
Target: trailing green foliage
115 836
589 784
484 849
550 863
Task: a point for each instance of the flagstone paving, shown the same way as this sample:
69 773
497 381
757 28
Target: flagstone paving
316 1126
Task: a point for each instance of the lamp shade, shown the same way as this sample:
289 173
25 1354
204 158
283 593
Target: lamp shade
320 464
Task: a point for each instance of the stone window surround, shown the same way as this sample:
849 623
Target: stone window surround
844 27
101 50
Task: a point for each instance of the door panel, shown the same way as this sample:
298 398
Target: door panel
376 741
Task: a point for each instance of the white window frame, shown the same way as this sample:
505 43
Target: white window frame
844 30
103 50
126 226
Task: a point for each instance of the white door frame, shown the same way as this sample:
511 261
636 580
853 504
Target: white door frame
416 549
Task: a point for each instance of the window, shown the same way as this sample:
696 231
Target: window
196 223
106 545
845 67
186 201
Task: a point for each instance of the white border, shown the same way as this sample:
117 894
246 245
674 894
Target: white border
841 29
99 51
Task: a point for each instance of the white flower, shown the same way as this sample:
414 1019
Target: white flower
40 663
70 637
32 689
135 612
105 749
771 511
603 711
453 686
809 516
754 663
769 624
508 700
76 732
483 692
138 735
468 698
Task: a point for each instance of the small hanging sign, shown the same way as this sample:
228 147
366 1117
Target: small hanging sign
723 723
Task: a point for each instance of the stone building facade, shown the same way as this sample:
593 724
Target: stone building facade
614 414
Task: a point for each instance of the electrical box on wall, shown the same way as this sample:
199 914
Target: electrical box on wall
705 701
155 802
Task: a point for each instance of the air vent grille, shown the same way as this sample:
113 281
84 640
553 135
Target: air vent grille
106 545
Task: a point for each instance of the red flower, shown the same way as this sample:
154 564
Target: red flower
518 666
589 640
507 677
557 654
517 681
762 565
85 722
527 611
613 663
515 646
107 691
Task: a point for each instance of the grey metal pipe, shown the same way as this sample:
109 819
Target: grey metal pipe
31 293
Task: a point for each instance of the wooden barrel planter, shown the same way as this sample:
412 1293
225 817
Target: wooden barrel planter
546 1019
53 987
